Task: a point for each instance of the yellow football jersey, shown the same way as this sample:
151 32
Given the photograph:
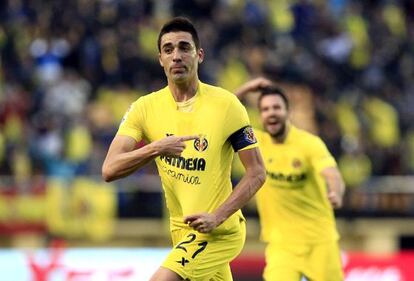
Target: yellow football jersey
198 180
293 204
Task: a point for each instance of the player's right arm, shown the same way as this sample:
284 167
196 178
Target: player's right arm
123 158
253 85
335 186
325 165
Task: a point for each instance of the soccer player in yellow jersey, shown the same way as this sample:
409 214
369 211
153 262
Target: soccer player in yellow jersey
295 204
192 130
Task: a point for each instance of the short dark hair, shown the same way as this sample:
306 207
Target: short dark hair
273 90
179 24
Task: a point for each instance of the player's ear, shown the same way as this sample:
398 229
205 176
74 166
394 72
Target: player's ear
200 54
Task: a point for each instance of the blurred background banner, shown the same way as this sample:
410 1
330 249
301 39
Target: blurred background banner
85 208
70 69
357 267
361 266
82 208
80 264
121 264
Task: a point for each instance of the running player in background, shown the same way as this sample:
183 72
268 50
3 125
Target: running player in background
296 203
193 130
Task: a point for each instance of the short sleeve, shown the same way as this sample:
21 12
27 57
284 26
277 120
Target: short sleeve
133 120
237 127
320 156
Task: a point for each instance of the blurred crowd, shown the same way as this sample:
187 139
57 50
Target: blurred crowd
70 69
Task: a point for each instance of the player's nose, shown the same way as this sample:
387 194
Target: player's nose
176 55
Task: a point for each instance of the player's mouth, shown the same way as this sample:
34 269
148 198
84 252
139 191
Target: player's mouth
272 121
273 124
178 68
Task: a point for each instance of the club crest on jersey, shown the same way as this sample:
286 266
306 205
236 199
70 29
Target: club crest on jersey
296 163
249 135
201 144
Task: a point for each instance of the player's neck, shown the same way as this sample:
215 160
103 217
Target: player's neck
183 91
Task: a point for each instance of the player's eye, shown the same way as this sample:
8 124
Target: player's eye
185 47
168 50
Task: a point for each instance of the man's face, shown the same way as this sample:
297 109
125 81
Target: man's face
179 56
273 113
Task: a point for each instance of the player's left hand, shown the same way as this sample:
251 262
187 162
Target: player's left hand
203 222
335 198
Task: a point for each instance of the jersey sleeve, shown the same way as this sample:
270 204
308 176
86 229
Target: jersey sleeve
238 129
133 120
320 156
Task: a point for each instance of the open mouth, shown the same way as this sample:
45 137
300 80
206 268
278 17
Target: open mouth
272 121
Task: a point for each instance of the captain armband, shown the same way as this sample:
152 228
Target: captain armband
242 138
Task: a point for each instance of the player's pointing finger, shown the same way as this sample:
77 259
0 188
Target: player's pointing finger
187 138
